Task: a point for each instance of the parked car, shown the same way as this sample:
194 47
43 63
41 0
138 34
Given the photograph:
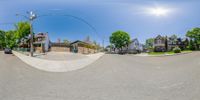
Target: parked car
8 51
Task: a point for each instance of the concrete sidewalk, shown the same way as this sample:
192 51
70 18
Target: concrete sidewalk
58 66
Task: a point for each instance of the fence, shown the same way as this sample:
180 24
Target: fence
22 50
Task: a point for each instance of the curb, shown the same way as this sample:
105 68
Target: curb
163 55
169 54
57 66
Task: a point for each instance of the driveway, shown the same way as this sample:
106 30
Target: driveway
112 77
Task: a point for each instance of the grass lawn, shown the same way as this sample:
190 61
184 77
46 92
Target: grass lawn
186 51
161 53
167 53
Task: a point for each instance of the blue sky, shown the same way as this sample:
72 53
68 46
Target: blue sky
106 16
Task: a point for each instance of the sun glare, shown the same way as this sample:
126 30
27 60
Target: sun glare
159 11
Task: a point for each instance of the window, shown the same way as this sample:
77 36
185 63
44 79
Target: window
159 42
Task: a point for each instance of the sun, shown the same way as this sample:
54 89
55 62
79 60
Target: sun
158 11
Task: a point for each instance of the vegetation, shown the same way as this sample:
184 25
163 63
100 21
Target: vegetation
22 30
149 44
186 51
12 37
161 53
194 35
2 39
177 50
65 41
120 39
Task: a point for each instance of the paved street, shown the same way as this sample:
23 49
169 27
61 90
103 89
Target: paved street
112 77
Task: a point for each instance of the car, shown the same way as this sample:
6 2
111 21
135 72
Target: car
8 51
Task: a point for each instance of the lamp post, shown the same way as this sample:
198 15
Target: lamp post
31 16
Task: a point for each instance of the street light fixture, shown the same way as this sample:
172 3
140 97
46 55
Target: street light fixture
30 17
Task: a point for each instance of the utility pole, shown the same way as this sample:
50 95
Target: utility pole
103 40
30 17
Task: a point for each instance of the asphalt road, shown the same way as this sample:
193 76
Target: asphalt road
112 77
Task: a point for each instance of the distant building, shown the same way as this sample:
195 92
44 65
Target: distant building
74 47
60 47
41 43
162 44
159 44
82 47
171 42
182 43
135 46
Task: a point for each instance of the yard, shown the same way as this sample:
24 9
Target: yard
167 53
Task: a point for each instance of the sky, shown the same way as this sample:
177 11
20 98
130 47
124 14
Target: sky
98 19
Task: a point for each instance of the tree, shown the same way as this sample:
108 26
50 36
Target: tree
173 38
120 39
191 45
2 39
194 34
10 39
22 30
149 43
94 42
66 41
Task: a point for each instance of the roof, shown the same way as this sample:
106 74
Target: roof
133 40
159 37
60 44
78 41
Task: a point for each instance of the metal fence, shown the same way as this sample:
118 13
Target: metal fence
22 50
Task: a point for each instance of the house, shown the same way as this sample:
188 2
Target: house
82 47
41 42
135 46
74 47
24 42
182 43
60 47
160 44
171 42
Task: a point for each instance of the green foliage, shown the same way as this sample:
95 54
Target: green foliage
194 34
10 39
177 50
66 41
2 39
174 36
149 43
120 39
191 45
22 30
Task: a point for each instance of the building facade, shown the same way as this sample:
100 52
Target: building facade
82 47
41 42
162 44
60 47
135 46
159 44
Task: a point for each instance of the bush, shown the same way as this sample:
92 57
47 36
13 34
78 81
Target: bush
177 50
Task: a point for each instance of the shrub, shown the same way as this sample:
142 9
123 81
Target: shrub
177 50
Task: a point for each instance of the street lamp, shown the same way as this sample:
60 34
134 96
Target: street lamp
31 16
